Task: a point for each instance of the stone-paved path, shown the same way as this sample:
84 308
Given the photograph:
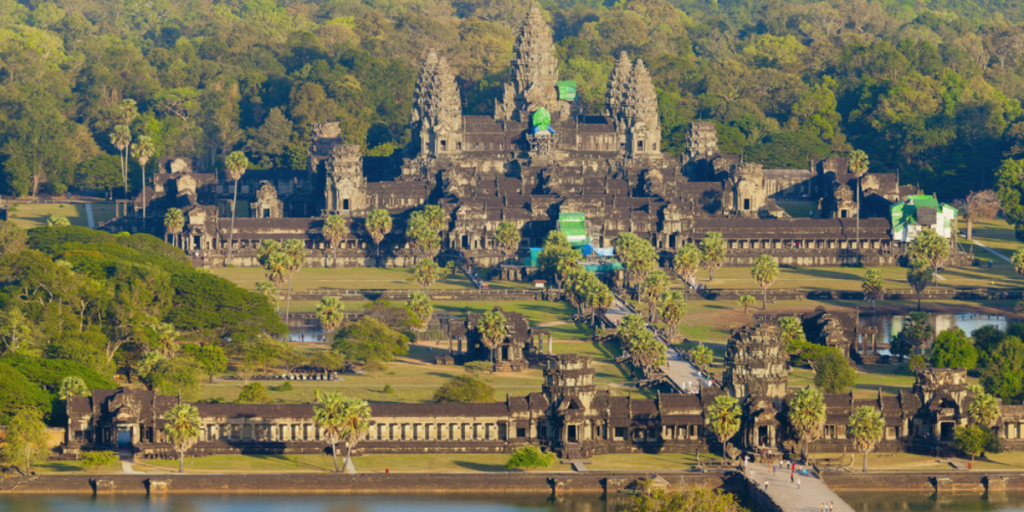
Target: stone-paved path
808 498
683 373
88 216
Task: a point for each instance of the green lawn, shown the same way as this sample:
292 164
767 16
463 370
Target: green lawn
32 215
70 466
416 463
799 209
356 279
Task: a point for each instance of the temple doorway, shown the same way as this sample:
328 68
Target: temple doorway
124 436
946 431
571 434
762 436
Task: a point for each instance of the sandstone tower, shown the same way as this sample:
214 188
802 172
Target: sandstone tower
437 110
755 360
534 74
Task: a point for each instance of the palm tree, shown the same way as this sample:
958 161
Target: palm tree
427 273
646 351
356 413
121 138
419 308
764 272
330 312
746 301
143 151
807 415
873 286
174 222
1017 259
713 250
865 427
295 258
492 329
686 262
652 289
702 356
724 418
919 276
378 225
328 417
274 262
672 310
859 167
508 237
182 430
58 221
984 410
335 230
236 164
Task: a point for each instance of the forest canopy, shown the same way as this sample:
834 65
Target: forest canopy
928 89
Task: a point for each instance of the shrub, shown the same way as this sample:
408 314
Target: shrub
93 460
287 386
465 389
388 389
253 393
529 457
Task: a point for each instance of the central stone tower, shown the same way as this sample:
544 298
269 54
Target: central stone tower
755 361
534 74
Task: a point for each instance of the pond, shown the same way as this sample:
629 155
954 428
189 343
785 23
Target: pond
890 325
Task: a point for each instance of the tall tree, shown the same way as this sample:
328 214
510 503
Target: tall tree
335 230
330 312
174 222
713 250
764 272
143 151
832 371
859 167
702 356
26 440
1017 260
493 328
121 138
982 204
508 237
686 262
341 419
984 410
294 259
873 286
427 273
953 349
182 429
931 248
672 310
1004 376
236 164
378 225
865 427
807 414
919 277
420 309
652 289
724 419
274 260
746 301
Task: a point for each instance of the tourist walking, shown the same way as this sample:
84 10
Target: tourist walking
790 477
766 486
797 483
773 469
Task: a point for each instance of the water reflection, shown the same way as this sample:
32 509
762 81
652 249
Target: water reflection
890 325
315 503
912 501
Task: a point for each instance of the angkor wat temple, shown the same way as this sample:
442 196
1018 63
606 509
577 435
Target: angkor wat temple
520 166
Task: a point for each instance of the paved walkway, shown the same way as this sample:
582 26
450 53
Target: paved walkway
989 249
88 215
808 498
682 373
127 456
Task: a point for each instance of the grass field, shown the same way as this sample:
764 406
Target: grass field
69 466
32 215
356 279
1008 461
439 463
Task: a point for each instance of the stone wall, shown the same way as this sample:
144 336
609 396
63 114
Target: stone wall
951 480
402 295
406 483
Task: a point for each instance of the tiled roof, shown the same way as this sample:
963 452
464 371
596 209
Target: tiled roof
398 410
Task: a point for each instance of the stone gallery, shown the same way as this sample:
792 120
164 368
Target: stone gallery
535 158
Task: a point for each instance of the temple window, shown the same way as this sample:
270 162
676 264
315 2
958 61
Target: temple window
444 145
458 146
746 204
344 204
640 145
620 432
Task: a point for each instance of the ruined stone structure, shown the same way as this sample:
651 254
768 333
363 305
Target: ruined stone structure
510 353
486 169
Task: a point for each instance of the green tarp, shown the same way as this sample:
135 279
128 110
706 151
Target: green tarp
574 226
541 118
567 90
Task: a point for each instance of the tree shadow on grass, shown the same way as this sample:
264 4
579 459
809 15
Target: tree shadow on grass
476 466
61 467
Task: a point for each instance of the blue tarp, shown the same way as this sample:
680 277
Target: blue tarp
538 129
587 250
605 252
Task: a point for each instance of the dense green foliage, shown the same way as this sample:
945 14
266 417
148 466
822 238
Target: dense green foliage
529 457
253 393
953 349
832 372
465 389
975 439
370 340
930 89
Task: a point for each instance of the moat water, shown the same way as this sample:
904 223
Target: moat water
890 325
860 501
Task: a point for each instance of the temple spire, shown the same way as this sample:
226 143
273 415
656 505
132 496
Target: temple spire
534 73
437 108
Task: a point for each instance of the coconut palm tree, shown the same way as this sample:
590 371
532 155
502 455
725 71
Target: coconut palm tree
143 151
121 138
236 164
295 258
807 415
652 289
702 356
378 225
865 427
647 352
331 313
746 301
764 272
273 260
492 327
873 286
724 419
174 222
508 237
182 430
859 167
335 230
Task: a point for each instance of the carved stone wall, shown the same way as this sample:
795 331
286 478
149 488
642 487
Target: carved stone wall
267 205
756 363
346 185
